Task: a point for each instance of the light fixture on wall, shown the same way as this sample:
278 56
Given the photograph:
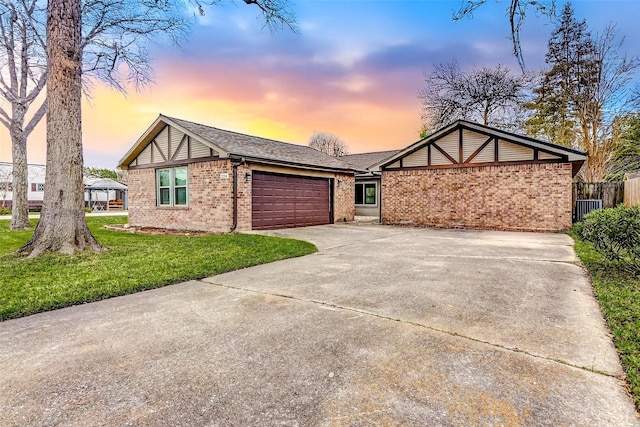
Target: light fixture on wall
247 176
339 183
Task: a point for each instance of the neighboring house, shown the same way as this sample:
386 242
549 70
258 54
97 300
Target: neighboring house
98 191
473 176
367 194
186 175
35 185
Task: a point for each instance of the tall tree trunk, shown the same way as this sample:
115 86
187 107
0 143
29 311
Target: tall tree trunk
20 199
62 226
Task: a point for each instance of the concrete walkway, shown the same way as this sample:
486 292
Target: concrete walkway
383 326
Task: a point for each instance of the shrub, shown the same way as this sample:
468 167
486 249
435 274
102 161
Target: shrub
615 233
5 211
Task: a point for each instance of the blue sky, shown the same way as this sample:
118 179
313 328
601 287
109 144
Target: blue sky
354 69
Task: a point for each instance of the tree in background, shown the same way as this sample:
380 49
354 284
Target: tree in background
583 91
565 85
100 172
113 45
491 96
23 75
62 226
328 144
626 158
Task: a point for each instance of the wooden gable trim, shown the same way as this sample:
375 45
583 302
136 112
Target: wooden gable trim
176 163
482 147
179 147
157 147
460 152
564 157
473 165
444 153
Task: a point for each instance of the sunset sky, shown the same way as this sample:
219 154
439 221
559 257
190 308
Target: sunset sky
354 69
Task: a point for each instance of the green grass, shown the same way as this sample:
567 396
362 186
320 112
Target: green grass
619 295
134 262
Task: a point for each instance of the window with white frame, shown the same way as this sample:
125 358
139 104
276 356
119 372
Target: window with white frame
366 194
172 186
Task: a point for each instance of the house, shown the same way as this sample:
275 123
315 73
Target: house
473 176
185 175
367 194
99 192
35 185
190 176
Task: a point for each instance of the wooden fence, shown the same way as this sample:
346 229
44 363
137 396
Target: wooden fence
611 193
632 190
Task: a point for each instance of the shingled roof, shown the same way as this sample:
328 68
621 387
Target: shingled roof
257 148
363 160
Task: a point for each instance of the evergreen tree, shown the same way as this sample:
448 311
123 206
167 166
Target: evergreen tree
565 86
584 89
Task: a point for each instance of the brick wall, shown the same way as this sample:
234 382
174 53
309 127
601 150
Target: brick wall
505 197
344 188
210 199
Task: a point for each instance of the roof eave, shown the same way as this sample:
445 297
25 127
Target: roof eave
260 160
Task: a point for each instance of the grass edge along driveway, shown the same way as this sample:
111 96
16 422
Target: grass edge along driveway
134 262
618 293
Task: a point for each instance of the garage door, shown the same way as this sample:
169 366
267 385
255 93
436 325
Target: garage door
284 201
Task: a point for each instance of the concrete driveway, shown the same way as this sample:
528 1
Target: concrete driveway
383 326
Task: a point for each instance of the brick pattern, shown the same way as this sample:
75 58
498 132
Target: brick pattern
535 197
344 189
211 199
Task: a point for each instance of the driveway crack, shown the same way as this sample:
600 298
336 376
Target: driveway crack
418 325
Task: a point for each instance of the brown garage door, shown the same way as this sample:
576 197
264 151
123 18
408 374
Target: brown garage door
283 201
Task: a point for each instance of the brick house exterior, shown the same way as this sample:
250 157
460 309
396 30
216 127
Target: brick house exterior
211 161
519 197
471 176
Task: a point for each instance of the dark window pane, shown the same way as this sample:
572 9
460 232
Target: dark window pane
370 194
181 196
165 196
359 194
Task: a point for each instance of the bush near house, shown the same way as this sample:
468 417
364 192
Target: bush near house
607 244
134 262
615 233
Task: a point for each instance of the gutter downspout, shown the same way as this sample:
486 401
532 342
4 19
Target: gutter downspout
235 194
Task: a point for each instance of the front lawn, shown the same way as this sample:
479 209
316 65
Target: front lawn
619 295
134 262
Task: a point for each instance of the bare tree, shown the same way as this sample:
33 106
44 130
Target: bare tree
491 96
114 37
516 11
328 144
23 75
62 226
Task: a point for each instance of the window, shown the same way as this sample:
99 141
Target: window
37 187
173 186
6 186
366 194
